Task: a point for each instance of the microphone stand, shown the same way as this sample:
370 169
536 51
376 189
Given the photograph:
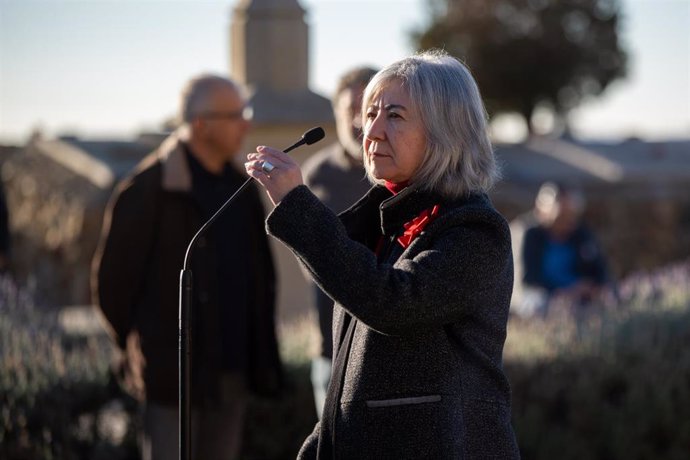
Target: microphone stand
184 330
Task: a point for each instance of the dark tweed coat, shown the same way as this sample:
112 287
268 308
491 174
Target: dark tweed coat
418 333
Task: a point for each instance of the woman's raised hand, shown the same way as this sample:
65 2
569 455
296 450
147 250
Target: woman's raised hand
275 170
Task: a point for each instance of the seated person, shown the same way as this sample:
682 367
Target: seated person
557 255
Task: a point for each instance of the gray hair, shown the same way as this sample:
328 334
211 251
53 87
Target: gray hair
197 93
459 158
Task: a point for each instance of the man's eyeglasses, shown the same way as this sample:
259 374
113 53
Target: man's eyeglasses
245 114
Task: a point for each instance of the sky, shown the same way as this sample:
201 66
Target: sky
114 68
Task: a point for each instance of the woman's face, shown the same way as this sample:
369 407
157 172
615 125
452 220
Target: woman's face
394 137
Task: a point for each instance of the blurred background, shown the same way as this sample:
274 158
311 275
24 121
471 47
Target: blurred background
594 93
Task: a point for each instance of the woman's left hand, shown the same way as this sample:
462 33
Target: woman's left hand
279 180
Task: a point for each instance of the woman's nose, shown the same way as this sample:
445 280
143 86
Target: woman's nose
374 129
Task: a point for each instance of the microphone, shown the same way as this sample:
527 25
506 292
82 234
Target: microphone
312 136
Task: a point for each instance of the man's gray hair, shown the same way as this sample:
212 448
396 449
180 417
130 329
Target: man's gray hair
459 158
197 93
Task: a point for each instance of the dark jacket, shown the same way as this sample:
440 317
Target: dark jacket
418 336
148 224
589 261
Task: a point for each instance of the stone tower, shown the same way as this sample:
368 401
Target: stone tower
269 54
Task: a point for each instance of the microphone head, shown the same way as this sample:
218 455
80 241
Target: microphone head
313 135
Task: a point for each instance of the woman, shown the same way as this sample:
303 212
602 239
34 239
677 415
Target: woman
420 270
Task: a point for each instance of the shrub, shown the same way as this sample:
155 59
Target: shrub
614 386
58 401
275 429
618 390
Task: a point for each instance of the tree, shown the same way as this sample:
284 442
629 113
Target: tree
527 53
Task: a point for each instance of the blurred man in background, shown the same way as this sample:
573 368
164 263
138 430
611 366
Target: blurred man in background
336 175
148 224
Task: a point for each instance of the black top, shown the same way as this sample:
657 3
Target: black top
230 232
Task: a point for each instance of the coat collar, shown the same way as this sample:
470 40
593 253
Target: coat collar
391 211
177 176
405 206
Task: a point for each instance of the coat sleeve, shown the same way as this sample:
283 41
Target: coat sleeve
464 268
121 262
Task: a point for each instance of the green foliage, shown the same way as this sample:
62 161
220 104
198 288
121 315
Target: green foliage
524 53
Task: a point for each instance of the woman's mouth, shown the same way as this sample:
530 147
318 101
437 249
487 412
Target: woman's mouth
378 155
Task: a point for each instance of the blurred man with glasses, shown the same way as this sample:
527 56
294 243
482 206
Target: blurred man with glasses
149 222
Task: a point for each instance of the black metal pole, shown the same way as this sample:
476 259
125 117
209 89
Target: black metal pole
185 336
185 363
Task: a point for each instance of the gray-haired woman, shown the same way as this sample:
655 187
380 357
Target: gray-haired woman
420 270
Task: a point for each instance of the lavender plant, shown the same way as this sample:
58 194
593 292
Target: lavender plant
612 384
614 387
54 387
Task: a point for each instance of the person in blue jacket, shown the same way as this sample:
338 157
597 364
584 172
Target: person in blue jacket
560 255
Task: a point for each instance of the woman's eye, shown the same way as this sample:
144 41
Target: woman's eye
393 115
371 115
